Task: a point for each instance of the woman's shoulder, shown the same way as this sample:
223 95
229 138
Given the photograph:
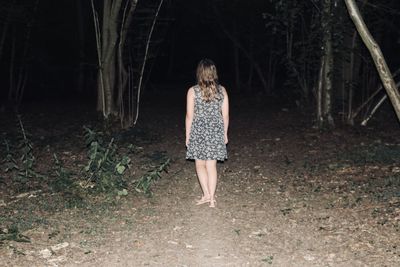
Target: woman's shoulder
191 91
193 88
223 89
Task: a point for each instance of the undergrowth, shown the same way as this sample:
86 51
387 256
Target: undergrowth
145 182
59 185
20 161
105 167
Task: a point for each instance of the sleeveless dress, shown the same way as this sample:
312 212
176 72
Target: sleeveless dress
206 139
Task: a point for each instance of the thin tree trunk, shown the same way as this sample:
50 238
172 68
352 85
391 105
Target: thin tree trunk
376 53
144 62
328 71
122 72
380 102
320 88
351 78
325 84
372 96
100 79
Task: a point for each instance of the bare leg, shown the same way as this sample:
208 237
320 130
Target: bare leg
203 179
211 166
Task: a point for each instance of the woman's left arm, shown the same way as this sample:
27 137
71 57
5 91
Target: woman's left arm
189 114
225 114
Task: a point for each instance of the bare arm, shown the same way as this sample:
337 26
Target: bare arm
225 114
189 113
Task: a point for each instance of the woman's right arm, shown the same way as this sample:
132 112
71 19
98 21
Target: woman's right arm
189 113
225 114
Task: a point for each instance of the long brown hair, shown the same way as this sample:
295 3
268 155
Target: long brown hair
207 79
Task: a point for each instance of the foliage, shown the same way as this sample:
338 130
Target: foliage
62 181
295 28
145 182
268 259
22 162
104 168
12 234
9 162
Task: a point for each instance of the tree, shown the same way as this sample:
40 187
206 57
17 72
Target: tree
124 45
376 53
111 30
325 80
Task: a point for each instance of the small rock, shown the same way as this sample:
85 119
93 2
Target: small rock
396 170
309 257
45 253
60 246
57 260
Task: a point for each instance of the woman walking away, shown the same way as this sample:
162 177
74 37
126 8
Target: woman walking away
207 120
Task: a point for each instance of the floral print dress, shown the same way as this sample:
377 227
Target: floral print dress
206 139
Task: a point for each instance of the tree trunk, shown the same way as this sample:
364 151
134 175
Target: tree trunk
123 74
113 71
109 35
328 72
325 84
376 53
144 63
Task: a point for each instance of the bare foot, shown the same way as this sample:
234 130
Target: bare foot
203 200
212 203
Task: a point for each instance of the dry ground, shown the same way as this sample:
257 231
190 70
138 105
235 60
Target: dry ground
289 195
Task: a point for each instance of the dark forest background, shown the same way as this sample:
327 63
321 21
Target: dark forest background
271 49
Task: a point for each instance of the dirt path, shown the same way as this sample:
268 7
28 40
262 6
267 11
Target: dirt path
263 217
272 209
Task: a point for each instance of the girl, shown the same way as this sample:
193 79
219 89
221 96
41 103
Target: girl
207 119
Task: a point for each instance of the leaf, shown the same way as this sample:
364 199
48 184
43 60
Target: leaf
268 259
120 168
123 192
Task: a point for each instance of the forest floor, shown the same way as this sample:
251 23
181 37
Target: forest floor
289 195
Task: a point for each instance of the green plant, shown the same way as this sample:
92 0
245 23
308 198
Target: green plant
27 157
268 259
104 168
12 233
144 183
62 177
23 161
9 163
